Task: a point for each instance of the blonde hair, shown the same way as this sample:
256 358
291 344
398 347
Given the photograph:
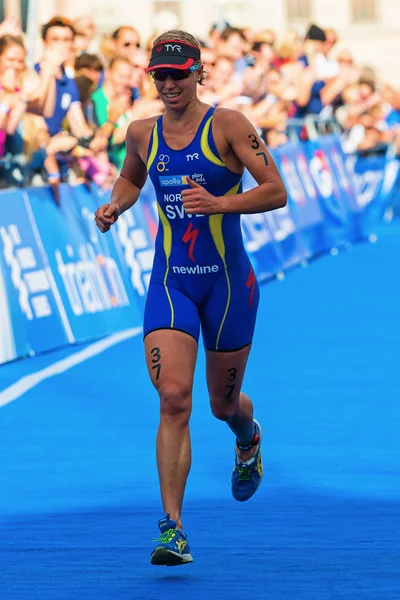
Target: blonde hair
32 126
186 38
106 48
289 45
267 36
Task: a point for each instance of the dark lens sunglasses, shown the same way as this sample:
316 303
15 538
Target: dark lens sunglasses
175 74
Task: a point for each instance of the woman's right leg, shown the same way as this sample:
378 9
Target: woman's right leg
171 358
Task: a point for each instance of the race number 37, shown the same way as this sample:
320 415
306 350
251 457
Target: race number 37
156 360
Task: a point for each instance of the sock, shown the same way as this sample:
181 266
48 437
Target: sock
254 441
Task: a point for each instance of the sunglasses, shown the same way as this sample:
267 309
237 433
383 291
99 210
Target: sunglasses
175 74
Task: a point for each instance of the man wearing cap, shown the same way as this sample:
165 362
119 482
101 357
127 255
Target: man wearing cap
316 51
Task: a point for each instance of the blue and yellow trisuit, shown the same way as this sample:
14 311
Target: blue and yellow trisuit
201 272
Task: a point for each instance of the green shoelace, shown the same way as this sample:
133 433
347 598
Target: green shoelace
166 537
244 473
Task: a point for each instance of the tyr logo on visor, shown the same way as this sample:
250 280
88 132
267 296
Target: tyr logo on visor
173 48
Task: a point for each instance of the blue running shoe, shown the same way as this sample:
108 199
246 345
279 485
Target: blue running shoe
247 476
173 548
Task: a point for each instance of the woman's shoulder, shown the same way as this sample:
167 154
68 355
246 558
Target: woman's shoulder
228 117
141 127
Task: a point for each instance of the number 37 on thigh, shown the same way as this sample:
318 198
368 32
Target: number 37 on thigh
156 362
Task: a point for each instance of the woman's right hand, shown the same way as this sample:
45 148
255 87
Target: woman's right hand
106 215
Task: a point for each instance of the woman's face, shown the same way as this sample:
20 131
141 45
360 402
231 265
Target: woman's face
178 93
13 57
120 75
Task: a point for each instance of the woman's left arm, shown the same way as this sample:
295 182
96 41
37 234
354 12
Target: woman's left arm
249 148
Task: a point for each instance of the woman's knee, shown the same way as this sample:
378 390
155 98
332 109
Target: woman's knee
224 408
175 400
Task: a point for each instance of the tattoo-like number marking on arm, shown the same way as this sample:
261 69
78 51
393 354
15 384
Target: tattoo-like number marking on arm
232 376
255 143
264 157
156 359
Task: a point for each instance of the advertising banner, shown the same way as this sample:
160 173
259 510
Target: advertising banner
94 287
283 231
62 281
376 180
335 210
303 197
347 191
31 313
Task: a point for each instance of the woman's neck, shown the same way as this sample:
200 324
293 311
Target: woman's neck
186 115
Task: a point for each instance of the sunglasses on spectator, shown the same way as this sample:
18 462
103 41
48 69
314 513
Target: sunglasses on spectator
175 74
128 44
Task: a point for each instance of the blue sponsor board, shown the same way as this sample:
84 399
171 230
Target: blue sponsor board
376 180
94 286
331 202
61 280
303 197
109 250
133 239
260 245
34 305
344 186
284 232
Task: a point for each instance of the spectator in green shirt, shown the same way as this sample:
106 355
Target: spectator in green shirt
113 103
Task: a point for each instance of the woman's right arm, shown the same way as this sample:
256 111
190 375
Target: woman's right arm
127 187
133 174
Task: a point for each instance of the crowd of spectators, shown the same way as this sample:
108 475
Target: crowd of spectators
66 119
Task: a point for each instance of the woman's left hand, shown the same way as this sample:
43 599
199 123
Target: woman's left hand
197 201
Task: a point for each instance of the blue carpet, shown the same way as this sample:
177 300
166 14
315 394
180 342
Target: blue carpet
79 499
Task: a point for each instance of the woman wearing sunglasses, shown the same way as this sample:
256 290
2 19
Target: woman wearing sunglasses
202 277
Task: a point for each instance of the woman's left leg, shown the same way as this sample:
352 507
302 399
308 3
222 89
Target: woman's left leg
228 322
225 372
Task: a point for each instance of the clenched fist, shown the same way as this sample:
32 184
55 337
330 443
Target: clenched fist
106 215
